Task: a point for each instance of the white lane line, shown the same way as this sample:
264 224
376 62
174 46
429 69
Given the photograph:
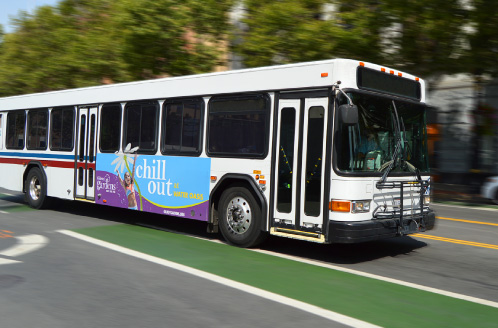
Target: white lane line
3 212
330 315
355 272
26 244
382 278
6 261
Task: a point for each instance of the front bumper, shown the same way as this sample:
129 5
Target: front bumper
376 229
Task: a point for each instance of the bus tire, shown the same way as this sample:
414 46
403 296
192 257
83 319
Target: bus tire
36 189
240 218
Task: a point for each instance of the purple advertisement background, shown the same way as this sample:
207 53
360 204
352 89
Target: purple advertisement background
113 194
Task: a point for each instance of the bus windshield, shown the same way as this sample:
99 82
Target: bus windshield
369 146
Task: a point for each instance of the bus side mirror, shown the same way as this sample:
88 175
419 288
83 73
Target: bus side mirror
348 114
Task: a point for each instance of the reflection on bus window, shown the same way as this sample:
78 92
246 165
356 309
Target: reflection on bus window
238 126
1 133
182 126
37 129
62 129
141 126
110 128
314 159
286 160
91 144
369 145
15 129
81 151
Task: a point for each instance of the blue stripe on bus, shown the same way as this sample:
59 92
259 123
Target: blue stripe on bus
37 155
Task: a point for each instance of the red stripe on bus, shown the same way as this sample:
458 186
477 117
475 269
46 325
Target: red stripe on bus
88 165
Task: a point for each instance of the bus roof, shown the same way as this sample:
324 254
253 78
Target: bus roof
316 74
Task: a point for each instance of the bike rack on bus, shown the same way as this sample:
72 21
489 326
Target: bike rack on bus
381 212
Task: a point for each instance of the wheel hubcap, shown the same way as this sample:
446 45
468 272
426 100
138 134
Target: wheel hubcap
34 188
239 215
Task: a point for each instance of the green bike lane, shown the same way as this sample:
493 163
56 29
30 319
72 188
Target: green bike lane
374 301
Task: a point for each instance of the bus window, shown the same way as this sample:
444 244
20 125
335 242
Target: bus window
238 126
314 161
16 124
286 161
62 129
1 134
141 126
81 152
91 145
110 128
37 129
182 127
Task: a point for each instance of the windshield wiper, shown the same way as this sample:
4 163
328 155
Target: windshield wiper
399 155
398 148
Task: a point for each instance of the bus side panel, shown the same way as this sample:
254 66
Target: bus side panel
11 176
171 185
60 182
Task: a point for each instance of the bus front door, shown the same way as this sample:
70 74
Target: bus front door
86 153
299 170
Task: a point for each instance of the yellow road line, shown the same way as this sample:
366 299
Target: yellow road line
468 221
456 241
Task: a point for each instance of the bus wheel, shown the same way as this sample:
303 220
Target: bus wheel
240 218
36 189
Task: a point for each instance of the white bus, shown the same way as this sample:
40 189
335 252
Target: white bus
332 151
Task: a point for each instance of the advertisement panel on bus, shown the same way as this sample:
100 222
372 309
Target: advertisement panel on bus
177 186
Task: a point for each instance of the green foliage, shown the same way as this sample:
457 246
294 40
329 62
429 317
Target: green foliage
89 42
427 37
482 53
430 39
81 43
301 30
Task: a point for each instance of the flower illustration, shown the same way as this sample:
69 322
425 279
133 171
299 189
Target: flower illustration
122 161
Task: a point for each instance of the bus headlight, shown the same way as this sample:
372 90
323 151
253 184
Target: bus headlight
427 199
360 206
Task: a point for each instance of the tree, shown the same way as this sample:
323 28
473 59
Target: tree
89 42
429 37
171 36
426 37
482 34
302 30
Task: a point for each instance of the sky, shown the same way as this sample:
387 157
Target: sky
12 8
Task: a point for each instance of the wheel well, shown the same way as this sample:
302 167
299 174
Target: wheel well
230 182
26 172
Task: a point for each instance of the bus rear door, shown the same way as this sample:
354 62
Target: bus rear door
299 168
86 153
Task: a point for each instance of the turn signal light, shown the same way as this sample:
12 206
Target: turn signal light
340 206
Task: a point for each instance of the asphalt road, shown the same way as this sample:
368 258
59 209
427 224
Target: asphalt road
460 268
71 283
64 282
